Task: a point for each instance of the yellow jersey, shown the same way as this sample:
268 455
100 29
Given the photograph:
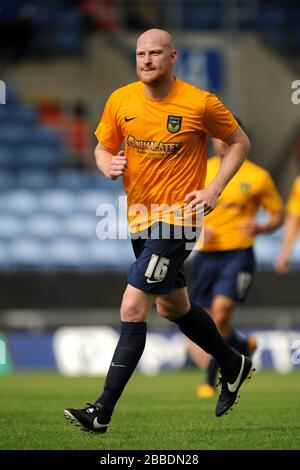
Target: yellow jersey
293 205
250 188
165 142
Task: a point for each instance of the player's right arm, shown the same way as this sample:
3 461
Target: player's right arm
111 166
110 161
269 199
292 226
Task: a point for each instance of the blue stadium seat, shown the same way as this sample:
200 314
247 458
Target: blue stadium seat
125 253
47 13
103 254
68 41
68 32
80 226
43 227
36 180
68 254
88 201
12 94
25 114
18 114
110 254
39 157
3 113
7 160
13 134
5 257
10 227
28 253
7 180
58 201
75 180
99 181
57 29
203 15
44 136
19 202
68 19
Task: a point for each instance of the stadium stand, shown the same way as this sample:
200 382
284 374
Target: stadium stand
56 27
48 211
48 215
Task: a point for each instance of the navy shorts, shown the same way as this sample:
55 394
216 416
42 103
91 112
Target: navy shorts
229 273
160 252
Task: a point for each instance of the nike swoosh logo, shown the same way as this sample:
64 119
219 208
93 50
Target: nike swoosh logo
151 282
130 119
233 387
117 365
97 425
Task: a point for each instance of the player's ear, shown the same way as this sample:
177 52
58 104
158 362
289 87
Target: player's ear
174 56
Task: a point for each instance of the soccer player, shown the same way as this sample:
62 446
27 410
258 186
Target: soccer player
292 227
164 123
225 266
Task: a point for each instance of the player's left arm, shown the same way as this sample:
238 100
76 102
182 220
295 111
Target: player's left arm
250 227
270 200
275 221
292 227
237 151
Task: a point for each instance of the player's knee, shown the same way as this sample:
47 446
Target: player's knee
168 311
162 311
131 310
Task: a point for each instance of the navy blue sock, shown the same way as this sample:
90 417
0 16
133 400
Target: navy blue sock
127 354
238 341
198 326
212 370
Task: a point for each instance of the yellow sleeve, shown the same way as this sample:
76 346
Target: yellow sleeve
109 132
269 196
218 121
293 205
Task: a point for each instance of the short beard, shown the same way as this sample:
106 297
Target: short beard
153 82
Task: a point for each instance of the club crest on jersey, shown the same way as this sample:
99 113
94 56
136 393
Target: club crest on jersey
245 188
174 123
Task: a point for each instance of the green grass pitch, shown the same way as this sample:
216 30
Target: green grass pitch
159 413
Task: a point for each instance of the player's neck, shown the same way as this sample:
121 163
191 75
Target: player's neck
159 91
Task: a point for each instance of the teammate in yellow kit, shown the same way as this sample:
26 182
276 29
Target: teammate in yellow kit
164 123
225 266
292 227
